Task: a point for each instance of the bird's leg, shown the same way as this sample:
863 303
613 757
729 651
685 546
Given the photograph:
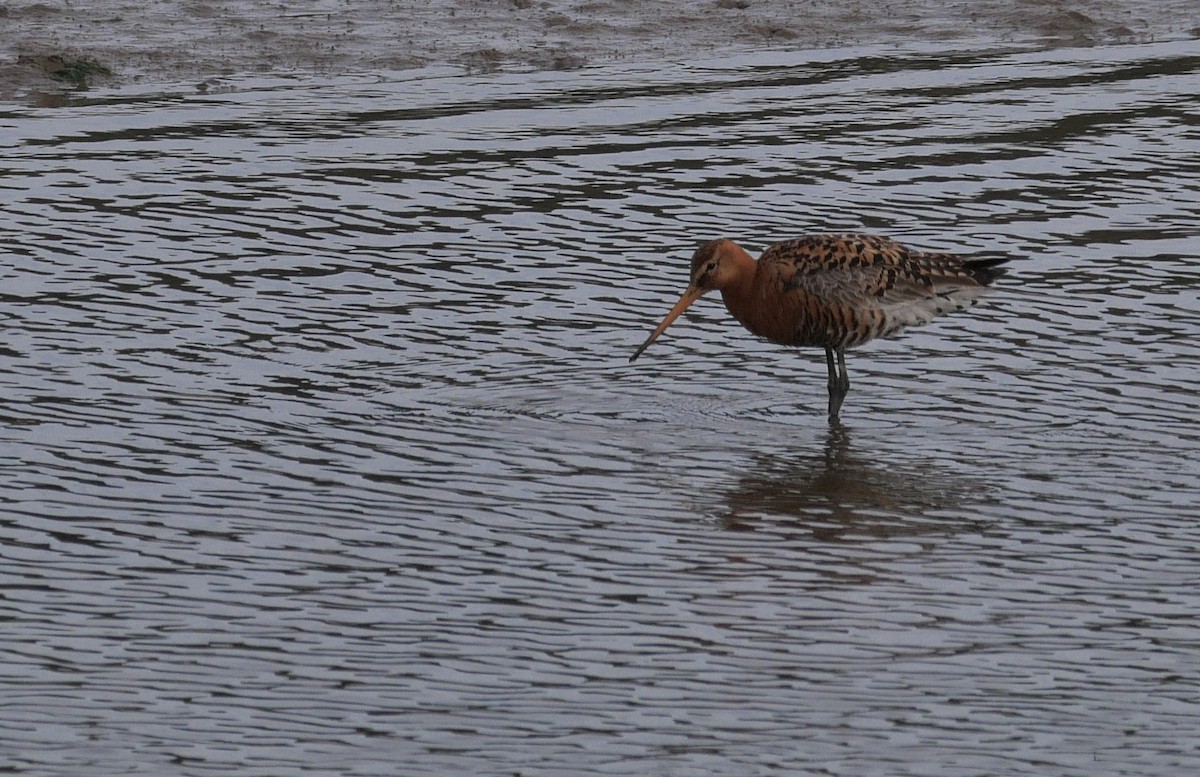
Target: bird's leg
835 392
839 381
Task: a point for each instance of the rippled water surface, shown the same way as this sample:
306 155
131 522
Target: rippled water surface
322 454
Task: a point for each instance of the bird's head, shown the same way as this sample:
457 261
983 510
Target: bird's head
714 266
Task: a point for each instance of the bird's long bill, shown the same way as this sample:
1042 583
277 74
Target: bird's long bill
691 295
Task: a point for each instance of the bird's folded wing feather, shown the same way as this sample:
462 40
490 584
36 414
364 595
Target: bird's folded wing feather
867 273
854 269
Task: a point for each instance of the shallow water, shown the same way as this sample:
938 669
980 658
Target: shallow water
322 453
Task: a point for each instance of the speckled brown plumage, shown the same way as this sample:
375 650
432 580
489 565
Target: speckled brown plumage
833 291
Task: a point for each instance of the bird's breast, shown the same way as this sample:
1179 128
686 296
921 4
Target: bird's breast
786 320
801 319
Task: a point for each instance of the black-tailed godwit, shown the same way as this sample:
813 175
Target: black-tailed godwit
833 291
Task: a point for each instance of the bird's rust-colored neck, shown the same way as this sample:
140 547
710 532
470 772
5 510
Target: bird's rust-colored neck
753 295
735 279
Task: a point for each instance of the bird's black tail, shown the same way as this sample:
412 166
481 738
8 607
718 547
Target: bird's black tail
985 271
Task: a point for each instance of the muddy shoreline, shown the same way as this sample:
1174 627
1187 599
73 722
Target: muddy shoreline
57 45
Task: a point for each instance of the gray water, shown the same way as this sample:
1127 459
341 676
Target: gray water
321 452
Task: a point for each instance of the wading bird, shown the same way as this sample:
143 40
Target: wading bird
832 291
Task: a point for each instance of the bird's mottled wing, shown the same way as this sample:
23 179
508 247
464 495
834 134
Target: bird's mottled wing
858 287
850 269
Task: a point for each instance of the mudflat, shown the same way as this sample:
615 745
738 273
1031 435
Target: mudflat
59 45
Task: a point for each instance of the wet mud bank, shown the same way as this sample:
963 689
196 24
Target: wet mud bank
50 45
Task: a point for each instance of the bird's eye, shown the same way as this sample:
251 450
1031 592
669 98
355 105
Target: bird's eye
710 267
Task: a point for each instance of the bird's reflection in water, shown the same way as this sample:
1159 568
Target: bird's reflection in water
838 493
